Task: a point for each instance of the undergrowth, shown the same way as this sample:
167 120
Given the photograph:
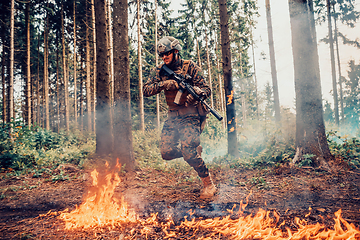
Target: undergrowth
346 148
35 149
261 145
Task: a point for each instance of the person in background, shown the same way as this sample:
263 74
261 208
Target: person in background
184 123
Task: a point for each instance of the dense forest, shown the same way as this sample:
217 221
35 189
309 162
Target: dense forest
72 75
50 64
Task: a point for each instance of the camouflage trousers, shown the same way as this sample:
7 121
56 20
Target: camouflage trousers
183 130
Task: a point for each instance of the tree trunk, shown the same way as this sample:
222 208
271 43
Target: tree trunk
255 79
68 83
46 72
339 67
111 55
310 128
243 96
332 57
38 85
209 69
243 105
52 109
28 66
82 95
272 63
141 96
156 63
11 68
88 74
198 51
75 66
229 92
94 64
104 136
65 77
3 82
122 114
222 107
58 84
221 89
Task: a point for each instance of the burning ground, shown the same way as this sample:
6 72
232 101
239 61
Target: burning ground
34 207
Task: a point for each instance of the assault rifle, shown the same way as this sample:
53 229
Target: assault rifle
184 86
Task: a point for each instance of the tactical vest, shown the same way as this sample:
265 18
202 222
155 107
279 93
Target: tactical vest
170 95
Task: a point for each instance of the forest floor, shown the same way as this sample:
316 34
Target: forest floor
305 193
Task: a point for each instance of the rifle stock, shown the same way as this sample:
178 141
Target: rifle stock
186 86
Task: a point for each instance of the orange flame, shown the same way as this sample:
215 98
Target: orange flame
262 226
230 97
100 208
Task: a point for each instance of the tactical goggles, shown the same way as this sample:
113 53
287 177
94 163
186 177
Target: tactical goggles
166 53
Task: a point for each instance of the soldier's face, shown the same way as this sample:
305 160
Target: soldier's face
168 58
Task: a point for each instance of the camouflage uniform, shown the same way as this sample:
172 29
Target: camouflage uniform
183 123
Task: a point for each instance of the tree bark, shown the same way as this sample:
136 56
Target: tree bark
65 77
243 92
111 52
332 57
156 63
209 69
339 67
81 90
88 74
141 96
38 85
58 86
11 68
255 79
227 71
103 112
75 66
198 50
94 65
122 114
310 128
273 63
3 81
46 72
28 66
221 89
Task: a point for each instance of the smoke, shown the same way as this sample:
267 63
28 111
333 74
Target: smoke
254 136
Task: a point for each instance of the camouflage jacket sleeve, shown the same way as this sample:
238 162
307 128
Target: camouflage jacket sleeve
154 85
197 78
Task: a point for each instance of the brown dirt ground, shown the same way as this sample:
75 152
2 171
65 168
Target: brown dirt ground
288 191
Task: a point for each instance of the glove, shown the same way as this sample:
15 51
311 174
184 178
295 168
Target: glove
190 100
170 85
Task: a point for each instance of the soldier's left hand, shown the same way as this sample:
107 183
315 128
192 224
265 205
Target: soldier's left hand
190 100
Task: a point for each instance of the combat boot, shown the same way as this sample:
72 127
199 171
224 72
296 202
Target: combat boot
209 188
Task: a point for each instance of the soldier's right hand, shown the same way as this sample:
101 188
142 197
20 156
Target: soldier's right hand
170 85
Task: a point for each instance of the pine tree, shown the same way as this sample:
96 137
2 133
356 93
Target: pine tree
28 67
310 128
104 138
228 85
273 63
11 67
122 114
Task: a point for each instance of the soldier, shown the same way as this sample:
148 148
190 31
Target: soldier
184 124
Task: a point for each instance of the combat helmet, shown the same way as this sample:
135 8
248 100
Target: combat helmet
167 44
